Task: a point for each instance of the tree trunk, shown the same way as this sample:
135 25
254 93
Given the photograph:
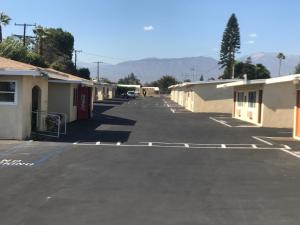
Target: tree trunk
0 34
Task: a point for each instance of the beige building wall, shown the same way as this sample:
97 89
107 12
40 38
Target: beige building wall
15 120
279 101
61 99
209 98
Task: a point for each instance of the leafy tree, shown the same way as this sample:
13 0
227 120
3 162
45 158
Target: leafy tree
56 46
187 80
4 20
14 49
201 78
164 82
281 57
262 72
257 71
229 47
41 35
84 73
64 64
130 79
297 69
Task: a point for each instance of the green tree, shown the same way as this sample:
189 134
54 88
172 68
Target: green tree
201 78
262 72
14 49
4 20
41 34
280 57
297 69
229 47
164 82
130 79
84 73
56 46
257 71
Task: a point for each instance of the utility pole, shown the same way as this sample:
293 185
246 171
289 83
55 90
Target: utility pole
76 51
98 64
24 25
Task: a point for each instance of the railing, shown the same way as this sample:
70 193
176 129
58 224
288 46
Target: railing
51 124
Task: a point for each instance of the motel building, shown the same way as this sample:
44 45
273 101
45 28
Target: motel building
273 102
32 97
102 91
203 96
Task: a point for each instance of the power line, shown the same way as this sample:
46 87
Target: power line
24 25
103 56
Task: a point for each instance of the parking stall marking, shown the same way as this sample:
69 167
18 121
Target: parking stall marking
191 145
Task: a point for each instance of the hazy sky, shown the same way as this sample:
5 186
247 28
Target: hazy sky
133 29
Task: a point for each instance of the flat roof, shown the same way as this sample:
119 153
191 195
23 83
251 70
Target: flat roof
273 80
185 84
241 83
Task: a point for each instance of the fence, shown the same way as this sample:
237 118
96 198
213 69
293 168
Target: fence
51 124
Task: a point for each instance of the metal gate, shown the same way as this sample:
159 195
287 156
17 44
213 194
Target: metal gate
51 124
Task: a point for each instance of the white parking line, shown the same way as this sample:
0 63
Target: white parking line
220 121
254 146
287 147
261 140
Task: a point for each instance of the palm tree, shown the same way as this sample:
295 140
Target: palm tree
281 57
41 34
4 20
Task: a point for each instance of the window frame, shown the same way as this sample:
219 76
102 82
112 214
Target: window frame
15 102
240 104
252 104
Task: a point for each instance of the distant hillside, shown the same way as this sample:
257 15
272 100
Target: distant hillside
151 69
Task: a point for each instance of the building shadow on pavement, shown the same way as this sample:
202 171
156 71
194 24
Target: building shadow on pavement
96 129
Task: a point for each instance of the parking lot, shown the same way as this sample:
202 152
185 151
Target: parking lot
148 161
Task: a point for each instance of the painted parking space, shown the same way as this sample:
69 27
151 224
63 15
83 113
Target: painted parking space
232 122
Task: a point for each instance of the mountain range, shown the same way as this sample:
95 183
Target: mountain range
150 69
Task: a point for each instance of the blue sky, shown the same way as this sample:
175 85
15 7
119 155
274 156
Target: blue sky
134 29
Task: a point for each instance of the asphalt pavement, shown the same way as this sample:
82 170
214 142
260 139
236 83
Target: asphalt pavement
149 161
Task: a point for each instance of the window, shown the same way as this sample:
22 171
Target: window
8 92
240 98
251 99
75 96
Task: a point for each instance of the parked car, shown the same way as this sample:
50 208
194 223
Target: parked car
130 94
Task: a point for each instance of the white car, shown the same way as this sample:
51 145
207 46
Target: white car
130 94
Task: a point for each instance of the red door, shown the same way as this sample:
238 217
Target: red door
298 115
84 103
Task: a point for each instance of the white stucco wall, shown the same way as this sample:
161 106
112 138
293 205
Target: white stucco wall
15 120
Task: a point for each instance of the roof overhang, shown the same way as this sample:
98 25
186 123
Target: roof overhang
20 72
242 83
